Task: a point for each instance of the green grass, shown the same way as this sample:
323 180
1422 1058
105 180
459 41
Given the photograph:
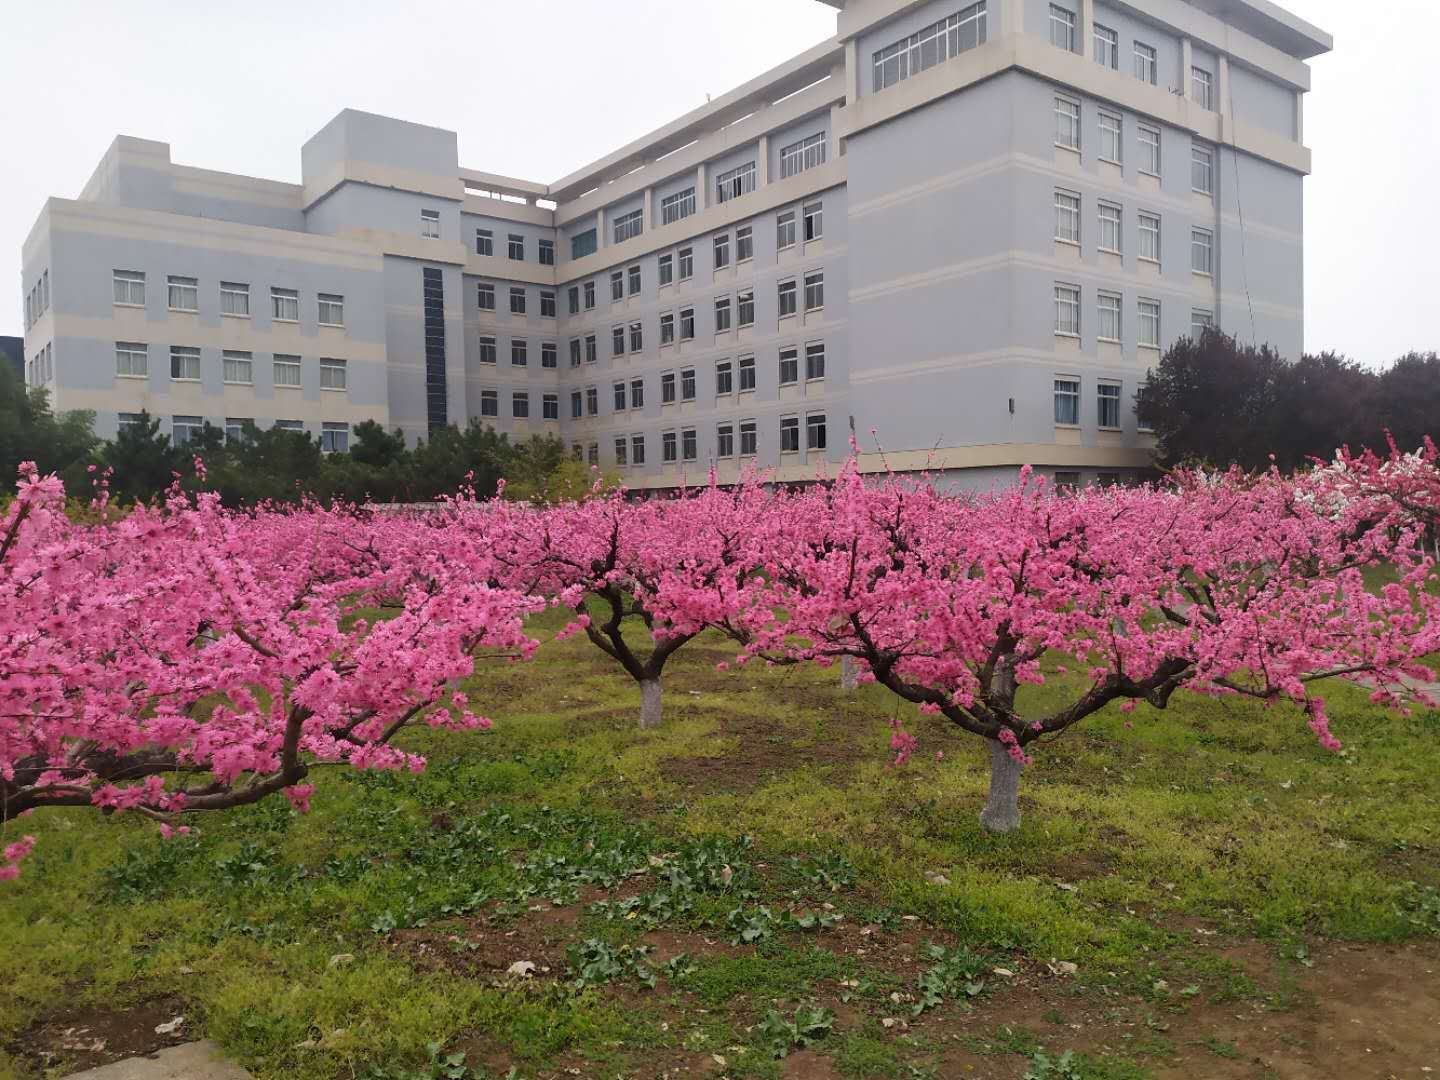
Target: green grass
1213 810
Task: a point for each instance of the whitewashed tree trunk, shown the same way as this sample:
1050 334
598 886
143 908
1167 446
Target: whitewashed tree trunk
1002 808
849 674
649 704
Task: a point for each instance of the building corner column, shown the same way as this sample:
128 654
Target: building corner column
762 161
1087 26
1222 88
1187 62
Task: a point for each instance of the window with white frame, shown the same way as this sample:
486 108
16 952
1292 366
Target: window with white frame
546 251
592 349
1067 123
592 454
617 391
132 359
484 244
334 438
1202 88
1149 237
637 449
129 288
573 299
724 440
1200 321
485 296
331 309
185 428
1107 310
1062 28
790 434
617 286
786 298
667 388
1146 65
814 361
722 251
1107 404
669 447
815 290
1202 251
1067 310
665 274
520 404
722 314
235 427
1110 227
628 226
286 370
295 427
577 405
667 328
676 207
430 224
284 305
1067 400
184 293
1147 332
1067 216
936 43
807 153
785 230
1111 137
1202 169
813 216
685 263
687 384
547 303
1107 47
724 377
637 393
637 337
519 352
592 401
622 450
745 308
582 244
632 277
789 365
517 300
235 299
732 183
744 243
489 351
184 364
489 403
515 247
815 433
550 407
749 438
687 324
332 374
238 368
746 368
130 421
1149 139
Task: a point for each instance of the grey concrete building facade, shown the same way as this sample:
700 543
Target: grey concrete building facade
963 231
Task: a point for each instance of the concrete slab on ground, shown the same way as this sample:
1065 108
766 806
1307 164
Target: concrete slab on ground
189 1061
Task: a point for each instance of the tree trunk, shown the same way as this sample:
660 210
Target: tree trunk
849 674
1002 808
649 703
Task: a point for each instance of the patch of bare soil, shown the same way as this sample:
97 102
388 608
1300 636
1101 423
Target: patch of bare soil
87 1037
758 752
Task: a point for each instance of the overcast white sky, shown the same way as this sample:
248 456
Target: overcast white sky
240 87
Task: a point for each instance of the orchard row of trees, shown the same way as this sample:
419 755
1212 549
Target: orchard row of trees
184 657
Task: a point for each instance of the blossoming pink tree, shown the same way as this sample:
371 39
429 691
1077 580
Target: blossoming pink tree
226 653
1225 585
1408 484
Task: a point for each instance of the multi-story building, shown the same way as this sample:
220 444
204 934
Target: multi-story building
967 226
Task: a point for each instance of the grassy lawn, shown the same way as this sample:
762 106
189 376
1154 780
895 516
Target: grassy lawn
754 891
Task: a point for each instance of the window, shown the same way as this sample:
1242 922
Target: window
129 288
184 293
815 431
1107 47
547 303
749 438
592 400
1202 169
813 216
592 349
517 300
1150 237
520 404
789 434
676 207
1067 400
519 352
239 368
575 352
668 446
1108 309
805 154
549 355
185 364
722 314
430 224
592 453
1148 330
515 247
687 384
583 244
484 244
331 309
1066 481
1202 88
132 359
185 428
746 365
815 290
573 298
637 393
689 444
619 396
786 294
617 286
634 277
1111 140
488 350
285 305
1200 321
629 225
235 299
637 337
546 249
1067 310
722 251
667 328
1067 217
789 366
1110 227
724 377
234 427
1202 252
334 438
724 440
485 297
785 230
577 407
129 420
1145 65
933 45
745 305
589 296
1062 28
733 183
1149 150
687 324
666 272
637 449
489 403
1107 403
621 449
550 407
1067 123
744 243
667 388
686 263
815 360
